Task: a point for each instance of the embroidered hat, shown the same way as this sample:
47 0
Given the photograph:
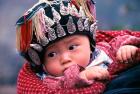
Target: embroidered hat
49 21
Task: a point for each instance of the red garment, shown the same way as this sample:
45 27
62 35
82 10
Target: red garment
69 80
71 77
29 83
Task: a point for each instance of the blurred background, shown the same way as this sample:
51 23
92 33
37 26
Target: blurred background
111 15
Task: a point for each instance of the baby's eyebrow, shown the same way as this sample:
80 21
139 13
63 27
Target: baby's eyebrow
65 41
71 39
50 47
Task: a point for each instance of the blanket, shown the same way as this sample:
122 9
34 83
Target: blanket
29 83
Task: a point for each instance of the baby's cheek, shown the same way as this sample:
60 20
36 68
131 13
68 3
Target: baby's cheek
54 69
83 62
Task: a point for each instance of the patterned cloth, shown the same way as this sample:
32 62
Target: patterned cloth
29 83
71 78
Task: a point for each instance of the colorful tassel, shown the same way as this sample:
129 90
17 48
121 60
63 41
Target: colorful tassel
24 36
39 26
92 8
85 7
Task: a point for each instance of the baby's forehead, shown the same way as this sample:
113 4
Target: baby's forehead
66 40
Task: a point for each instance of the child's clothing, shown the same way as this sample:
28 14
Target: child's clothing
104 56
71 77
38 85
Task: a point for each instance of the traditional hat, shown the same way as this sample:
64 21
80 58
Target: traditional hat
51 20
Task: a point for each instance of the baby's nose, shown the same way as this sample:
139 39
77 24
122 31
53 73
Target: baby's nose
65 58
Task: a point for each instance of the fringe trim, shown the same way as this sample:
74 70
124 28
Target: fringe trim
86 7
39 26
24 36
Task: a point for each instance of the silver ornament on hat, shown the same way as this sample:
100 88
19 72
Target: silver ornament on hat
93 28
60 31
34 56
86 24
71 26
36 47
44 41
63 9
56 15
49 21
69 8
80 24
51 34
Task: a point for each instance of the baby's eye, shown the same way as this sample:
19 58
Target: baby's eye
72 47
52 54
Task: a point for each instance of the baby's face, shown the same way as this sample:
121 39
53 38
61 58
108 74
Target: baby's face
66 52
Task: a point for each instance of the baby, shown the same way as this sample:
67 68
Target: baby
67 61
58 40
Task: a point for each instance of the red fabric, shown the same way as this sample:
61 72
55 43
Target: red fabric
70 80
26 32
29 83
112 47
